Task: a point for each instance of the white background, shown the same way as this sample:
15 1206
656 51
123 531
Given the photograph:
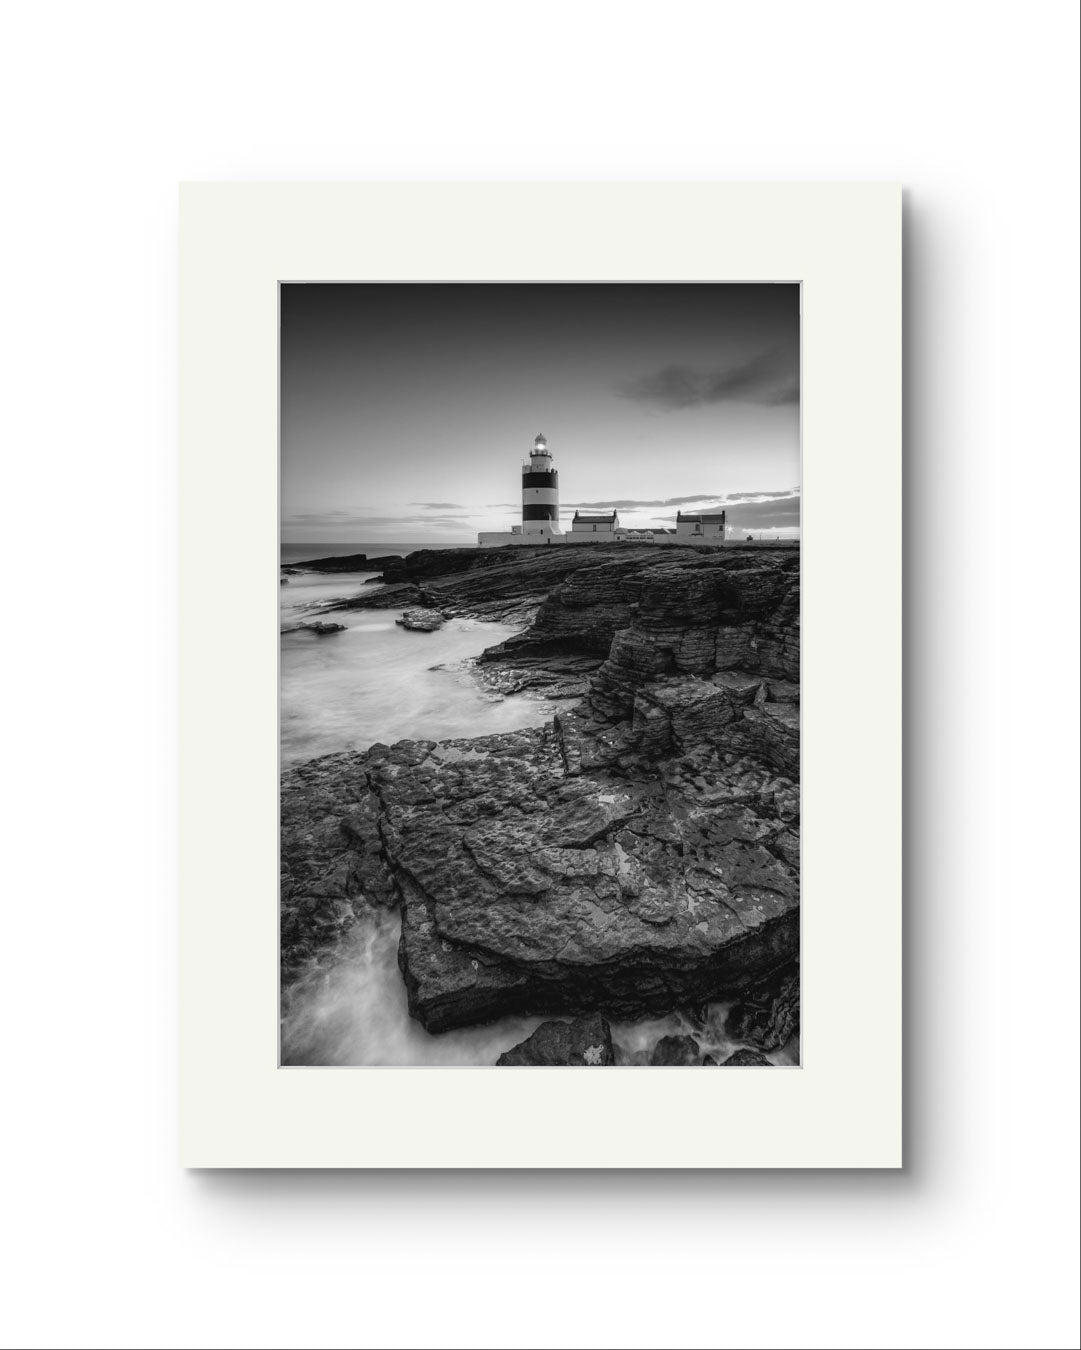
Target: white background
973 108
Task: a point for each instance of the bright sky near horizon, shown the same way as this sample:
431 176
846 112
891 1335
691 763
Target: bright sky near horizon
407 409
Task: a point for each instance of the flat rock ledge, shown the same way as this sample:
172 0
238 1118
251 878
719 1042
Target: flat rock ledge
527 889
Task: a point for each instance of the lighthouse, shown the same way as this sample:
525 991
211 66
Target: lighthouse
540 517
540 493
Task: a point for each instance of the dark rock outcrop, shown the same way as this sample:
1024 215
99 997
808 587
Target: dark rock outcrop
747 1059
586 1042
679 1051
421 620
638 855
320 629
768 1015
500 584
352 562
525 890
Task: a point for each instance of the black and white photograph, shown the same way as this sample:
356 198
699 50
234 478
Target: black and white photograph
539 679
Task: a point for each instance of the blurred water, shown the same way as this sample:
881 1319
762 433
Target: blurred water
380 682
355 1012
637 1039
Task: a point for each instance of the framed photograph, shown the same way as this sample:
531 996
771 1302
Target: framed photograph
535 540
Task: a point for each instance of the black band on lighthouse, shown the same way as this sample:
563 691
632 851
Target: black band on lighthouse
542 480
540 512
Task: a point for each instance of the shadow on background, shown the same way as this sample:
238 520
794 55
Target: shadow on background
925 939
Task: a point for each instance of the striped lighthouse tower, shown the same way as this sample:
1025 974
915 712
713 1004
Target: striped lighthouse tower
540 492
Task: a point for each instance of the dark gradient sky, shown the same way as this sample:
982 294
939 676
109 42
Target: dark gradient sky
407 409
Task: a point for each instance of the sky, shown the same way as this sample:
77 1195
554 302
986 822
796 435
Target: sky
407 409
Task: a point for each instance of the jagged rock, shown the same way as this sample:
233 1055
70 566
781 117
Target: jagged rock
767 1015
699 616
773 729
696 712
587 1041
747 1059
319 629
782 691
421 620
679 1050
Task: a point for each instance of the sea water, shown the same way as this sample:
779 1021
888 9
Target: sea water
377 681
354 1011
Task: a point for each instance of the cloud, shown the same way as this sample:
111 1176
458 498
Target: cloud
627 504
440 506
322 517
764 511
760 496
765 515
355 519
771 377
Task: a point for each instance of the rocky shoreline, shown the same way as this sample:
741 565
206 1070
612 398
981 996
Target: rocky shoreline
637 856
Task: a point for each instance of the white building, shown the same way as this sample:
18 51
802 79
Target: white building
540 516
700 528
606 525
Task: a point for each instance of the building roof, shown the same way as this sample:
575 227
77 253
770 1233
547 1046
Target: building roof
596 520
701 517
